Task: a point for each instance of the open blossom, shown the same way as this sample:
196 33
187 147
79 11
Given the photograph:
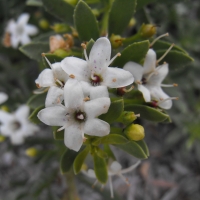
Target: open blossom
3 97
149 79
20 30
77 116
95 71
16 125
54 78
114 169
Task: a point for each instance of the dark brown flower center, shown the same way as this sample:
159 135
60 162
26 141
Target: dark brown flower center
80 116
96 80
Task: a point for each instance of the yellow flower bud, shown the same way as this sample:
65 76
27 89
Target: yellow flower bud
72 2
116 41
44 24
132 22
2 138
31 152
60 28
61 53
4 108
134 132
128 117
147 31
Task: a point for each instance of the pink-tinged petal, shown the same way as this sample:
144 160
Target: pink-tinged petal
77 67
3 97
6 117
54 116
150 61
145 92
58 72
30 29
54 97
100 56
73 95
22 112
23 19
25 39
96 127
98 92
158 94
96 107
117 77
17 138
73 137
135 69
45 78
157 78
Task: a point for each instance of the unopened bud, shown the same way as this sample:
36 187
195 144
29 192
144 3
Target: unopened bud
31 152
132 22
44 24
4 108
60 28
128 117
147 31
116 41
134 132
2 138
72 2
61 53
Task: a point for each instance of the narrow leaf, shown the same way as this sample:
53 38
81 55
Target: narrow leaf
100 169
109 152
135 52
60 9
33 116
36 100
58 135
34 3
120 15
85 22
144 147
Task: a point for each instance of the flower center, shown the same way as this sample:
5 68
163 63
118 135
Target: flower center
96 80
80 116
144 81
15 125
20 30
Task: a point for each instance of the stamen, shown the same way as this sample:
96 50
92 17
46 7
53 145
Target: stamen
130 168
137 115
102 187
80 116
118 54
128 90
71 76
124 179
111 187
165 54
151 74
169 85
161 36
94 183
163 100
86 99
43 54
60 129
85 52
61 84
139 82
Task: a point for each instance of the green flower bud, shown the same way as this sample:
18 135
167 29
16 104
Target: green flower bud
147 31
4 108
132 22
128 117
134 132
61 53
44 24
2 138
72 2
31 152
60 28
116 41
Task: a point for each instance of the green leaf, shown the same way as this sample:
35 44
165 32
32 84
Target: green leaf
100 169
34 3
60 9
144 146
85 22
115 110
135 52
120 15
109 152
142 3
110 139
37 100
67 160
134 149
34 50
148 112
58 135
89 46
79 160
134 97
176 59
101 153
33 116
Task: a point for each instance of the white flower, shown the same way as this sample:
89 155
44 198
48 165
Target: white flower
114 169
16 125
77 116
149 79
3 97
54 78
95 70
20 31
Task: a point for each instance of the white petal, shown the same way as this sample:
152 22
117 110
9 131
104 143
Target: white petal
98 92
23 19
115 167
86 88
55 96
77 67
17 138
22 112
30 29
53 116
162 72
73 137
6 130
96 127
100 55
73 95
15 39
150 61
31 129
3 97
96 107
145 92
117 77
91 173
6 117
11 27
135 69
25 39
58 72
45 78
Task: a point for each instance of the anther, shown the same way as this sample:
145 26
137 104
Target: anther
139 82
60 129
161 36
71 76
86 99
83 45
169 85
163 100
118 54
85 53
